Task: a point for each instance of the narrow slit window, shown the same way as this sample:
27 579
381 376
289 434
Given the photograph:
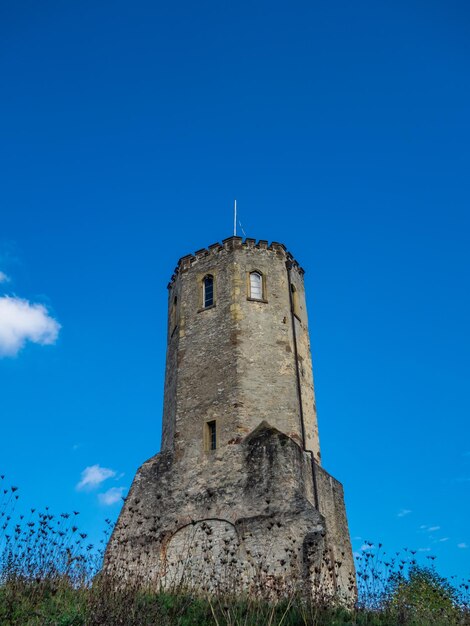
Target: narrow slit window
173 315
208 291
256 286
211 435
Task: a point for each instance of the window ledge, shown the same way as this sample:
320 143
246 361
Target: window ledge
262 300
206 308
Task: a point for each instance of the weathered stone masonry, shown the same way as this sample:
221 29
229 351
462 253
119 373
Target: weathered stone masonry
258 512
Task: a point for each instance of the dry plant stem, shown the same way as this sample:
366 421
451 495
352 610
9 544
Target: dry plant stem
213 612
286 611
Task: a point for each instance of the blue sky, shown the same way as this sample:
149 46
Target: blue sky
342 128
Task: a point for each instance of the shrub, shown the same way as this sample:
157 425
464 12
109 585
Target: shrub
423 597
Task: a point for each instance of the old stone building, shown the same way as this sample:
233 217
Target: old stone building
237 498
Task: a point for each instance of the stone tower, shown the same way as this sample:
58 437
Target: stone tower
237 499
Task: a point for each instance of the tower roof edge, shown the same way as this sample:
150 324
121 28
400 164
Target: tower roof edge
232 243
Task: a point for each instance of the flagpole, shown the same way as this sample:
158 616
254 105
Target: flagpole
235 219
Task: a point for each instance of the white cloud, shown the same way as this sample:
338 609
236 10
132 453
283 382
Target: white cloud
434 528
4 278
22 321
403 512
424 549
462 545
366 546
423 527
111 496
93 476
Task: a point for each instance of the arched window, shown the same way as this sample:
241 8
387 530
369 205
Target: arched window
256 285
207 291
295 301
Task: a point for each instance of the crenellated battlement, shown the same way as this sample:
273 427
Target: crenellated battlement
233 243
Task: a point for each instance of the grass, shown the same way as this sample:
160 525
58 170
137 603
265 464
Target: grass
49 575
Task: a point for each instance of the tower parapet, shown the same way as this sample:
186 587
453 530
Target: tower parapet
232 243
238 481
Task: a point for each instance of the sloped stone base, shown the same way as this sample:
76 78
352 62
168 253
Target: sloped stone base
241 520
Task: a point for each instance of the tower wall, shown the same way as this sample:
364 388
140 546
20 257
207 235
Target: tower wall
256 514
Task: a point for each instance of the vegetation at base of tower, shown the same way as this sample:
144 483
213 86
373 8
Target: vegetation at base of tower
49 576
